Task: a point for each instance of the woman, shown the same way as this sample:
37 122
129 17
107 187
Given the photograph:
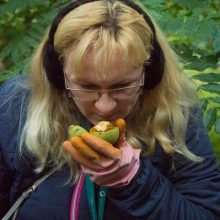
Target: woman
106 60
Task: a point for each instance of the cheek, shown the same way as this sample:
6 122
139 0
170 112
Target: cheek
86 108
126 107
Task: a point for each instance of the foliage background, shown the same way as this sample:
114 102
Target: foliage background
192 27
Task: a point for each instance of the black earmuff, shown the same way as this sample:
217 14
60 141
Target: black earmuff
154 68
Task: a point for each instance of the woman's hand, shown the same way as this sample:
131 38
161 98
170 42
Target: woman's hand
107 165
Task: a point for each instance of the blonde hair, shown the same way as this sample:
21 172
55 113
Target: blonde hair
109 28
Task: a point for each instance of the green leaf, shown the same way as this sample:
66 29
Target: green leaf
209 118
212 88
203 105
205 30
189 26
201 63
199 32
173 26
208 77
217 126
192 4
155 9
216 43
13 5
152 4
216 99
19 68
195 58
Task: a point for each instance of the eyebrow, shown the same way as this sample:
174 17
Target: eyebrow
129 80
123 82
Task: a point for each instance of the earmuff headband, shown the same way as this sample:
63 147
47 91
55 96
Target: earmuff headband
54 69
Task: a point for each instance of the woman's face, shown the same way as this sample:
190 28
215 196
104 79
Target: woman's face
105 107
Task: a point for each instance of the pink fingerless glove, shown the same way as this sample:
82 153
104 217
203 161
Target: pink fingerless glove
117 173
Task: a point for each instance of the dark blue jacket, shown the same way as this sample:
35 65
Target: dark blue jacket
165 187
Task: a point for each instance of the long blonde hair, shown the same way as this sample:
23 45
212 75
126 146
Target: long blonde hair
158 111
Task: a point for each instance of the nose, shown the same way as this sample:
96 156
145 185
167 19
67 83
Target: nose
105 104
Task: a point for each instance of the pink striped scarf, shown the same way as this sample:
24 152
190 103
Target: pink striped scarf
75 200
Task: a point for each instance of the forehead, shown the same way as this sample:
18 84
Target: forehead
94 65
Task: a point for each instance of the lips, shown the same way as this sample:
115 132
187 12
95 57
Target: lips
110 118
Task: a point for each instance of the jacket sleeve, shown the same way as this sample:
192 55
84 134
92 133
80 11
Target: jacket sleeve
5 180
189 191
11 99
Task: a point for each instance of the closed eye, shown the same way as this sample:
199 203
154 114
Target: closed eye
122 85
88 86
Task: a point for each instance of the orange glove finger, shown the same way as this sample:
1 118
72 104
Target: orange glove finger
84 149
101 146
120 123
79 158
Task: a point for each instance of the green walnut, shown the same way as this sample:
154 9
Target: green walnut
75 130
106 130
103 129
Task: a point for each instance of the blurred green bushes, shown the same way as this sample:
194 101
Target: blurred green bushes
193 28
